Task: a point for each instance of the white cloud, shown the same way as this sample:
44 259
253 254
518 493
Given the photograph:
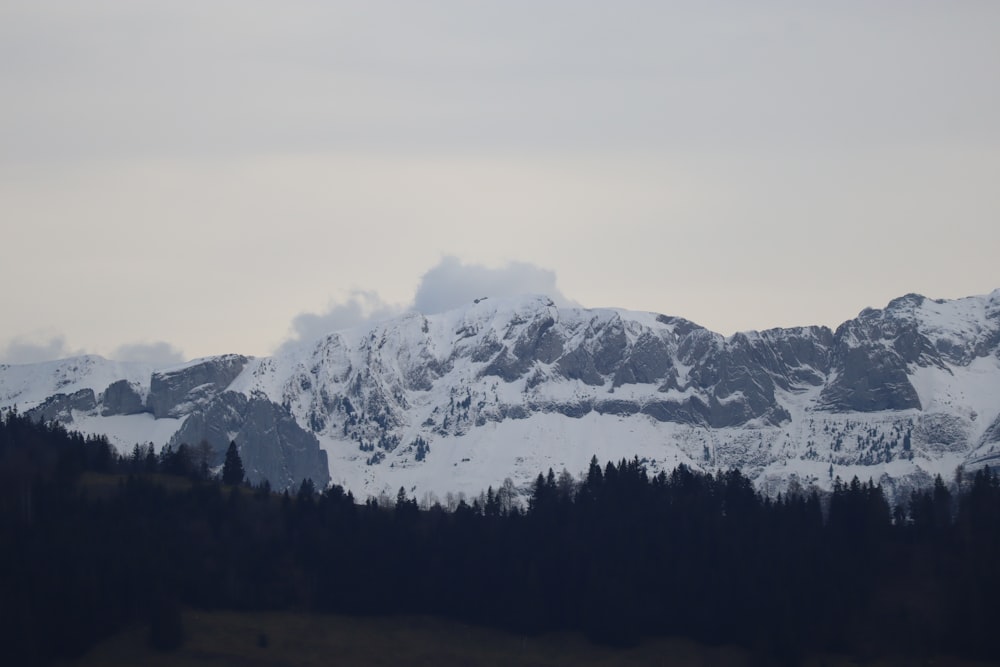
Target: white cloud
159 352
361 307
452 283
27 350
24 351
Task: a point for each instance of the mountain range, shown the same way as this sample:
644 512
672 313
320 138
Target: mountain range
506 388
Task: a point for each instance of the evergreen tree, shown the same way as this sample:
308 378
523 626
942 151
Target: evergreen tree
232 469
307 489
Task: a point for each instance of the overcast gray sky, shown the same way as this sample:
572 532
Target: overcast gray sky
179 179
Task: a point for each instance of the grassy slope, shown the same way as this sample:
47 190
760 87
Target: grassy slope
221 639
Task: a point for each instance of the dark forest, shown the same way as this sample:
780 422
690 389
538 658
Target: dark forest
93 541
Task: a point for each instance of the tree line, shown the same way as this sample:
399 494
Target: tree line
618 554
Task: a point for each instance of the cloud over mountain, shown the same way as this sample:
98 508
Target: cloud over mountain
449 284
452 283
359 307
22 350
159 352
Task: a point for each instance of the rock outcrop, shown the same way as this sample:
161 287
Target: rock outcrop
174 393
121 398
60 407
271 444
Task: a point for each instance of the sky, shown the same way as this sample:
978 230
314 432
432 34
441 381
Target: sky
180 179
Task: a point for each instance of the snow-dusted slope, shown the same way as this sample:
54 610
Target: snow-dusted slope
30 384
507 388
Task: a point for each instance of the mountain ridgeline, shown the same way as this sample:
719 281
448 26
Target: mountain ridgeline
505 387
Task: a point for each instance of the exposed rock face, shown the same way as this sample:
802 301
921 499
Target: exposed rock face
725 383
871 356
271 444
175 393
121 398
60 407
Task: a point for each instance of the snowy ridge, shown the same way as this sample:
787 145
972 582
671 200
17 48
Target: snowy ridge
27 385
458 401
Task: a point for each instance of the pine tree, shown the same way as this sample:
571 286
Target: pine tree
232 469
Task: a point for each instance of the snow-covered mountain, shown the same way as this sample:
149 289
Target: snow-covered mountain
510 387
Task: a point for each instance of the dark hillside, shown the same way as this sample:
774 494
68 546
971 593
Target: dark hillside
94 541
